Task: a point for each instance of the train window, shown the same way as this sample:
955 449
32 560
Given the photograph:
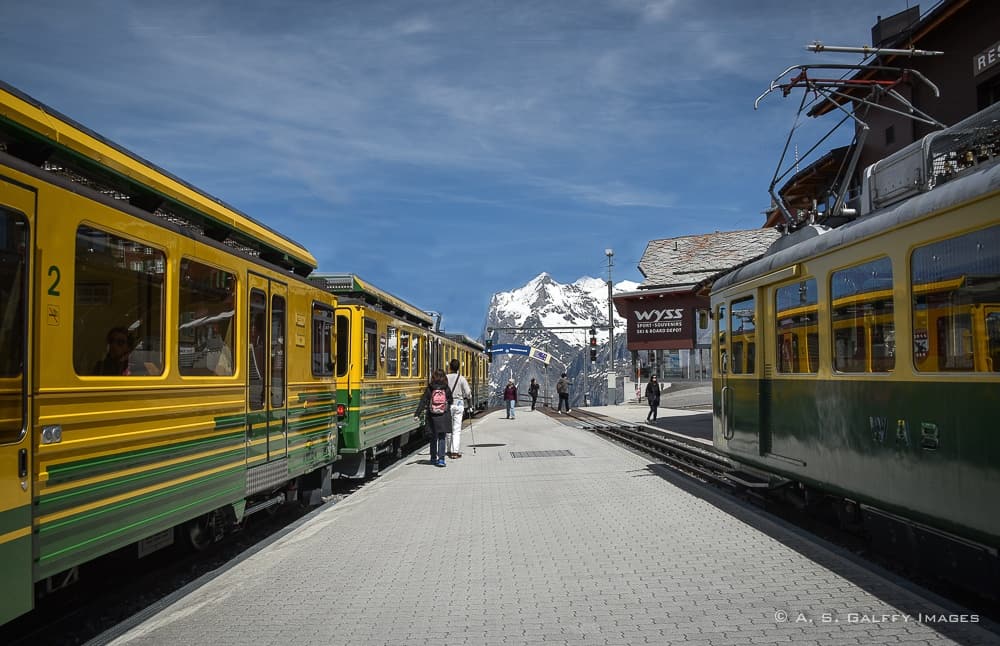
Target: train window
322 348
118 305
256 345
343 344
722 321
13 323
955 301
743 346
372 349
864 334
404 353
277 351
415 356
796 328
206 334
391 350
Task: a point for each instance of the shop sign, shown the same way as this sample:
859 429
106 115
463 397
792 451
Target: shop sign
658 323
986 59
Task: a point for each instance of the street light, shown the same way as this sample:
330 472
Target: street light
612 388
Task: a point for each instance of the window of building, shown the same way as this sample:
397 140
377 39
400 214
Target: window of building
955 285
796 325
206 332
864 334
118 305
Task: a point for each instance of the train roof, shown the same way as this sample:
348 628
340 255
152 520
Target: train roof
467 340
349 288
41 136
945 168
815 240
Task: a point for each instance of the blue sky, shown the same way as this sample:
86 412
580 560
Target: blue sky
446 150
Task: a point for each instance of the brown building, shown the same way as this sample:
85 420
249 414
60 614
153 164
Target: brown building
667 328
966 74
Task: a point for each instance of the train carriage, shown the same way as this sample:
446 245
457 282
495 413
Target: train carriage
877 368
387 349
165 368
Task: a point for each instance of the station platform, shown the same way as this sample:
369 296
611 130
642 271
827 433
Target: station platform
545 533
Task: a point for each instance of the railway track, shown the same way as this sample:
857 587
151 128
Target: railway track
686 454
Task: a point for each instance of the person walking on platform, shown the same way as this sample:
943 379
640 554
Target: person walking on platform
460 393
510 398
653 397
437 401
562 387
533 391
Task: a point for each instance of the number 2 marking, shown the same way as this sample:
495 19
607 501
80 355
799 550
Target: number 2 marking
55 283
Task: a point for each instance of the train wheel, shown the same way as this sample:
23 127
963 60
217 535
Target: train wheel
197 534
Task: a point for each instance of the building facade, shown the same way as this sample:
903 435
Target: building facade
668 327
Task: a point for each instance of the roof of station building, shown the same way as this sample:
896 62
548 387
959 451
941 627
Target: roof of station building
690 260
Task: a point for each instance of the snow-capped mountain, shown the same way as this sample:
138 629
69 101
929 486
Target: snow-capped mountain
533 315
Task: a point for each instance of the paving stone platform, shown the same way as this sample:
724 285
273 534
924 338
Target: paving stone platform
575 541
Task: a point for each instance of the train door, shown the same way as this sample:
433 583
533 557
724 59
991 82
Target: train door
741 385
16 217
266 376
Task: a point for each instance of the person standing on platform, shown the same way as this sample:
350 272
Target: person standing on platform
510 398
562 387
533 391
653 397
460 393
437 401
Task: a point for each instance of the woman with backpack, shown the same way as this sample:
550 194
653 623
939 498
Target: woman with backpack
437 401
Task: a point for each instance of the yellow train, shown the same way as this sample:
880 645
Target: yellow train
387 349
164 362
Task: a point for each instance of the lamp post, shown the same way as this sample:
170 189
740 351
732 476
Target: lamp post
612 385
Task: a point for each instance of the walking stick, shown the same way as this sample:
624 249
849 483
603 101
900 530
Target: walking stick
472 435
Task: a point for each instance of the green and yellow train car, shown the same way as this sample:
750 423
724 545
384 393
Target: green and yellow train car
863 362
386 352
165 368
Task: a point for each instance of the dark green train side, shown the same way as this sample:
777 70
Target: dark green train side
860 365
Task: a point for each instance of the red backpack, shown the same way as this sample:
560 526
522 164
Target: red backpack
439 401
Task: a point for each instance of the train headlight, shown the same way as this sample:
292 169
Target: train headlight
52 434
341 410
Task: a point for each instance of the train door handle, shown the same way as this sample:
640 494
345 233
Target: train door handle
22 463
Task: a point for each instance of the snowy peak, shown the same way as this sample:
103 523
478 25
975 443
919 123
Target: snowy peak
556 318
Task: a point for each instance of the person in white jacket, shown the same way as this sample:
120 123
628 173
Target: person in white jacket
461 393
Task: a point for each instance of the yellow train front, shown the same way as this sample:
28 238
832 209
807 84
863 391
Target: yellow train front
163 362
386 351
